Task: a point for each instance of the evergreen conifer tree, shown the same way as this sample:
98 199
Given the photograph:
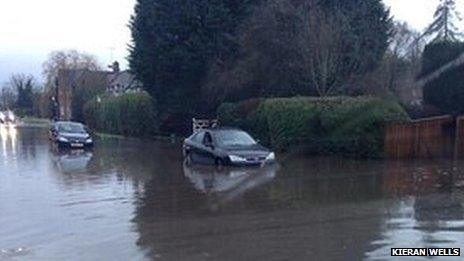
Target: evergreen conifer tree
443 28
174 43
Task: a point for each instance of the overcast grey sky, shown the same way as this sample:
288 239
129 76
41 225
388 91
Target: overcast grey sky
30 29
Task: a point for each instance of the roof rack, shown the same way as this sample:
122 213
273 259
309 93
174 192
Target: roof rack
199 124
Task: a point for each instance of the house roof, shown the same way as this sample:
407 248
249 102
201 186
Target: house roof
77 77
124 78
82 76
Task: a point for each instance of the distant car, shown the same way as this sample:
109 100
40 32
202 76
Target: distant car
70 135
225 146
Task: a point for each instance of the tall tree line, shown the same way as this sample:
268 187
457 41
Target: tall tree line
313 47
193 54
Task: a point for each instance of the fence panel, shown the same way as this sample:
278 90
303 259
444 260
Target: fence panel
459 139
425 138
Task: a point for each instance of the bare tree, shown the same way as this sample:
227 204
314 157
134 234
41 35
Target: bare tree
403 56
287 48
7 97
400 65
402 38
22 81
67 59
63 60
24 89
320 41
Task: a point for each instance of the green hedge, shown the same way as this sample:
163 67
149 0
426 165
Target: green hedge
129 114
447 91
437 54
336 125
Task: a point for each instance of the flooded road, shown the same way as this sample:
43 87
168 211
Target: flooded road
135 200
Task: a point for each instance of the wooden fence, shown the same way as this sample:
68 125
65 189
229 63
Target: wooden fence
437 137
459 140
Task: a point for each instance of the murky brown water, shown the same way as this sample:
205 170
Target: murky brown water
134 200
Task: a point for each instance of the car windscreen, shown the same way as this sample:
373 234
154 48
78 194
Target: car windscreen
71 128
230 138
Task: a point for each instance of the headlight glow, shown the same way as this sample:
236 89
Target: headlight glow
236 159
62 139
88 140
270 157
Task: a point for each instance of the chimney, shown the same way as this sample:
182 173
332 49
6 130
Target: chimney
115 67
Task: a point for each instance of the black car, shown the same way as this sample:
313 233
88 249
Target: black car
225 146
70 135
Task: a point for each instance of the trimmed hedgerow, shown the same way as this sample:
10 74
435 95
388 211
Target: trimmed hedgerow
437 54
447 91
336 125
128 114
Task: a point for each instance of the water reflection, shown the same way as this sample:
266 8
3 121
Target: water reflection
439 207
444 204
132 199
70 161
8 138
267 213
226 184
428 207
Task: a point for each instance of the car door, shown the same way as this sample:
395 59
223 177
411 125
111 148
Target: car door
195 146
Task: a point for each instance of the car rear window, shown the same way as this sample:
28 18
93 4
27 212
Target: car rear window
233 138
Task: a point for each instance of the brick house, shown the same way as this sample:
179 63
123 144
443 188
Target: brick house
115 82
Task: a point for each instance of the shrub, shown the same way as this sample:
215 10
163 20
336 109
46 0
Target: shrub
447 91
129 114
337 125
437 54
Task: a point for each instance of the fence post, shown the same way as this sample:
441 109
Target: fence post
457 138
416 141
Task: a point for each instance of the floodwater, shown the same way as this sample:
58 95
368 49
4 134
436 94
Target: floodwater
134 200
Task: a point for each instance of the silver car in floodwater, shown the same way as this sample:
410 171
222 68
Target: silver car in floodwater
225 146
